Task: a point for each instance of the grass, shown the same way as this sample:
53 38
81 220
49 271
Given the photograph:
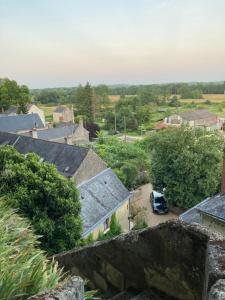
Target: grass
48 110
25 271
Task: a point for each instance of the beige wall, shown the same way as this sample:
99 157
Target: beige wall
35 110
122 215
213 224
66 116
81 135
91 166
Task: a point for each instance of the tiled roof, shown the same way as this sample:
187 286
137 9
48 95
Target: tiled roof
100 197
57 133
196 115
214 206
61 109
67 158
20 123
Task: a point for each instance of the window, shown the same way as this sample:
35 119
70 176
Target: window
106 225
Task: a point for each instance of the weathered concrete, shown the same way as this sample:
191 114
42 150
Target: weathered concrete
72 290
217 291
171 259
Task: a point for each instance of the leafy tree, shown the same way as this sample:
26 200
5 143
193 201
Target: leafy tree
128 160
85 100
13 94
25 271
102 97
47 199
93 129
48 96
186 162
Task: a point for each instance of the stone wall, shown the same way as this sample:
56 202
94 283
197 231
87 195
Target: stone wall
72 290
86 172
170 259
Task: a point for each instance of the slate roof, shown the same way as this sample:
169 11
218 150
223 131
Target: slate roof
196 115
100 196
13 108
20 123
67 158
214 206
61 109
57 133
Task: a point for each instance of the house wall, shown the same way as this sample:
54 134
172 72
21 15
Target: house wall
213 224
81 135
66 116
91 166
35 110
122 214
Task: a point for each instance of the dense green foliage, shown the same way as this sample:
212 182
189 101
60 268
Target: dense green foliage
114 230
47 199
25 270
129 113
91 101
85 102
169 88
128 160
13 94
186 162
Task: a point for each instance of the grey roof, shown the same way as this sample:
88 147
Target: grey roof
67 158
20 123
196 114
214 206
14 109
100 197
11 109
57 133
61 109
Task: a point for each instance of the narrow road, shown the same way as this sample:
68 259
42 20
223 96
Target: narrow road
144 201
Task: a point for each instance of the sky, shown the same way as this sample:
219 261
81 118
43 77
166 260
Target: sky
59 43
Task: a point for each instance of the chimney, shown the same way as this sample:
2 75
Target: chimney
81 122
34 133
222 191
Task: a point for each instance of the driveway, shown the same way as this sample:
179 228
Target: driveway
144 201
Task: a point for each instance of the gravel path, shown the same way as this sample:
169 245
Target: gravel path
144 201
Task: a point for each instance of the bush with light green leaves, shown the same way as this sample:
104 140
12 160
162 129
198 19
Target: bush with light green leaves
25 271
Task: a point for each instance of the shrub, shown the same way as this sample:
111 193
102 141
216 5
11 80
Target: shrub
25 271
46 198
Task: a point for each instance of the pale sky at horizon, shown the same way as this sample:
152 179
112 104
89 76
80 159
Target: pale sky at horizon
53 43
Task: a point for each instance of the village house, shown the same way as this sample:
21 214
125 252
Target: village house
200 118
20 123
69 134
211 211
31 109
63 114
101 192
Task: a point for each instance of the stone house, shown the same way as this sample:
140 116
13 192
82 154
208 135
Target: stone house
101 196
31 109
201 118
69 134
20 123
101 191
63 114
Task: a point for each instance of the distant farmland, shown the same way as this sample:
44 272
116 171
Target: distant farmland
216 98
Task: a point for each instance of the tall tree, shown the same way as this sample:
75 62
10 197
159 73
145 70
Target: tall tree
186 162
86 102
13 94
